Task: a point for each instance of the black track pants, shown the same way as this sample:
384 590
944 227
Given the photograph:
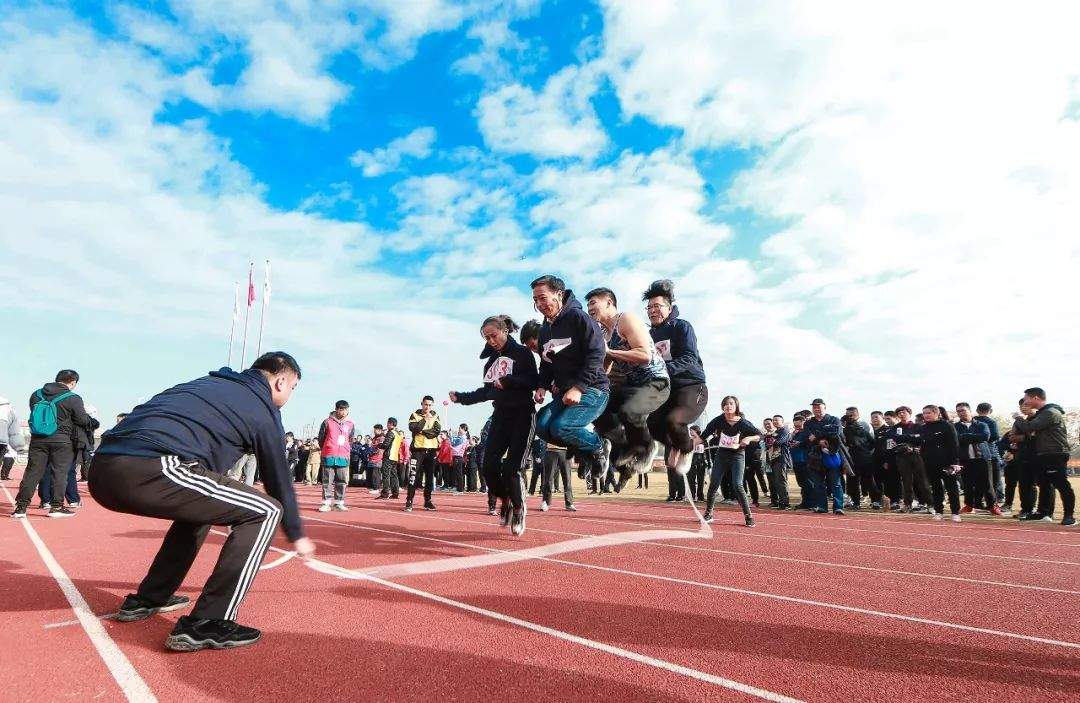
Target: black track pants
194 498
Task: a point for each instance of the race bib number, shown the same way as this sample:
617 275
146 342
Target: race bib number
341 440
699 449
890 444
553 347
663 348
503 367
728 441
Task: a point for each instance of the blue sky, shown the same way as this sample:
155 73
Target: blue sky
812 182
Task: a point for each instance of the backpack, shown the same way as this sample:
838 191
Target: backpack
43 414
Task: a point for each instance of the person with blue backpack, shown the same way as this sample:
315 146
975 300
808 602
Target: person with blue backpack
56 413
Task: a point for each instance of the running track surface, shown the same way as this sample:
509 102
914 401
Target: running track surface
804 607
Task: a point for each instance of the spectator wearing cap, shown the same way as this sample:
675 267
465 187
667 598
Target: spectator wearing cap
823 443
335 440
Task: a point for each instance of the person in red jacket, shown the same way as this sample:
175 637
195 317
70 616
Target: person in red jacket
444 457
335 441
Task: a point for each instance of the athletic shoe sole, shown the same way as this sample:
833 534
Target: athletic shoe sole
61 515
143 613
187 643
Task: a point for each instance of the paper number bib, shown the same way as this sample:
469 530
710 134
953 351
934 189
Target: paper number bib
729 441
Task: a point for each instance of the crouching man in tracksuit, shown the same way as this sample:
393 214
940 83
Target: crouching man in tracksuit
167 460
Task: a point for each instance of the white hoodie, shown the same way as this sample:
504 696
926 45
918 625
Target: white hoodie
10 434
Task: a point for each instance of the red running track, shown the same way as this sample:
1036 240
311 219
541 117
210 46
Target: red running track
804 607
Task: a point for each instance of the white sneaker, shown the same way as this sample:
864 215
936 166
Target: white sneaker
956 518
341 507
571 508
936 515
325 507
543 506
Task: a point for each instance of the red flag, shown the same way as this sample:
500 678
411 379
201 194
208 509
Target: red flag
251 285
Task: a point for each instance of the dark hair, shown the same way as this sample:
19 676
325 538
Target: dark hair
289 434
121 416
943 412
502 322
963 405
931 406
553 282
806 413
664 288
903 408
984 408
778 415
876 412
531 330
391 422
738 410
695 428
67 376
1035 392
602 293
463 426
377 427
889 413
851 408
276 362
427 397
341 405
797 416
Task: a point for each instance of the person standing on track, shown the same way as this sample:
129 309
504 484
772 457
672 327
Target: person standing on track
940 451
977 458
425 428
167 460
676 342
56 414
572 352
510 377
734 434
903 439
392 441
1051 445
11 437
639 385
336 435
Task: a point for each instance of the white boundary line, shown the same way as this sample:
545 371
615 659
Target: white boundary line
795 560
133 685
729 589
752 534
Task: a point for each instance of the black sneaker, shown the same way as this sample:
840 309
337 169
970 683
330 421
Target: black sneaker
19 511
191 635
749 522
707 517
429 506
517 522
1069 522
492 511
838 512
505 513
408 507
1032 517
61 511
135 607
382 496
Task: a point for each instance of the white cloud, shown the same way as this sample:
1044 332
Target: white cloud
928 178
149 225
557 122
416 144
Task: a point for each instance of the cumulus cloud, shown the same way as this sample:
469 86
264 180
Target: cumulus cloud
918 171
556 122
416 144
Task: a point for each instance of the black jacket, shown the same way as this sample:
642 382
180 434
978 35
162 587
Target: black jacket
515 366
70 415
213 420
676 342
859 439
940 446
572 350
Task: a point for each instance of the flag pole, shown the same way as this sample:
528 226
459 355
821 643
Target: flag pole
247 311
262 308
232 325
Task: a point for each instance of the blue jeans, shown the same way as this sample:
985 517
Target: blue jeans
730 462
45 487
567 425
828 483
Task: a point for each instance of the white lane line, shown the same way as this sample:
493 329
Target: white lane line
332 570
106 616
1026 543
794 560
132 685
740 532
730 589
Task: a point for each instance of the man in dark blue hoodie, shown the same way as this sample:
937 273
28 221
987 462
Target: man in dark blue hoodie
572 351
168 459
676 342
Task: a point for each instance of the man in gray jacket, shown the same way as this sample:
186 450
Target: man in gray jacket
1047 427
10 434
